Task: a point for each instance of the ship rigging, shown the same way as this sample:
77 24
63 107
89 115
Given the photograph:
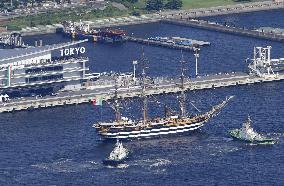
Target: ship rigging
124 128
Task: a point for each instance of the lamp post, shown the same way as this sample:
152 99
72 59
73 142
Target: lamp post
135 62
196 55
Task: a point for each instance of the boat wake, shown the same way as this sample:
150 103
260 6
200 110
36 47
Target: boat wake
67 166
156 166
216 146
152 162
119 166
160 162
217 150
218 139
275 135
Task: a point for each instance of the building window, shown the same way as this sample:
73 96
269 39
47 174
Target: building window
44 69
44 78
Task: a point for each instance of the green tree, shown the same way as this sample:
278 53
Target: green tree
2 5
132 1
25 2
135 13
15 4
173 4
32 24
154 4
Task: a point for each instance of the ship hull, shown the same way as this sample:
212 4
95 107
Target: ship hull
235 135
152 132
157 127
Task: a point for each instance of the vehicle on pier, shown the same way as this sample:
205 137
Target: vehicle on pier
246 133
124 128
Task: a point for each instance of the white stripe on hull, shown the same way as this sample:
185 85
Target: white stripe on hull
154 132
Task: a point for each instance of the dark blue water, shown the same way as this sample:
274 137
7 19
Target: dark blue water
271 18
57 146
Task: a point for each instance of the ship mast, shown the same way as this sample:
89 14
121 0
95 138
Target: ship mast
116 102
182 94
143 94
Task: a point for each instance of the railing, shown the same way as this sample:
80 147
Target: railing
55 62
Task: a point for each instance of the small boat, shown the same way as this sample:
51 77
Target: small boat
246 133
117 155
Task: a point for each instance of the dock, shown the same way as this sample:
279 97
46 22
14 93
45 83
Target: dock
95 24
225 29
157 17
261 69
159 87
169 42
224 10
277 31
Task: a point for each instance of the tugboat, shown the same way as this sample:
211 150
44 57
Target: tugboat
117 155
246 133
124 128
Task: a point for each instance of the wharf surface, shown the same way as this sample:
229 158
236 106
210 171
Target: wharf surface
226 29
224 10
195 43
160 86
95 24
149 18
278 31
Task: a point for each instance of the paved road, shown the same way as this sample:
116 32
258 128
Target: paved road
160 86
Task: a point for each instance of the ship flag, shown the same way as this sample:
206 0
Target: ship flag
97 101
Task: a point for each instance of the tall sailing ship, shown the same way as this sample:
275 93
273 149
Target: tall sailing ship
123 128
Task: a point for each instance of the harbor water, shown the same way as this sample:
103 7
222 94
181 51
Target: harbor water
58 146
252 20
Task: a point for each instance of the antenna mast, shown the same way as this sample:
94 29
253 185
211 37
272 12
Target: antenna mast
116 102
196 55
261 63
182 94
144 96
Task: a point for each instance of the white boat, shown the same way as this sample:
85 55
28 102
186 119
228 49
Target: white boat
117 155
246 133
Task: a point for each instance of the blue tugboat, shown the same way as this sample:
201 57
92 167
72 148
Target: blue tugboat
246 133
117 155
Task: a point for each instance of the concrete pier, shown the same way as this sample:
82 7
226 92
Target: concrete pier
168 44
226 29
160 86
271 30
96 24
149 18
224 10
